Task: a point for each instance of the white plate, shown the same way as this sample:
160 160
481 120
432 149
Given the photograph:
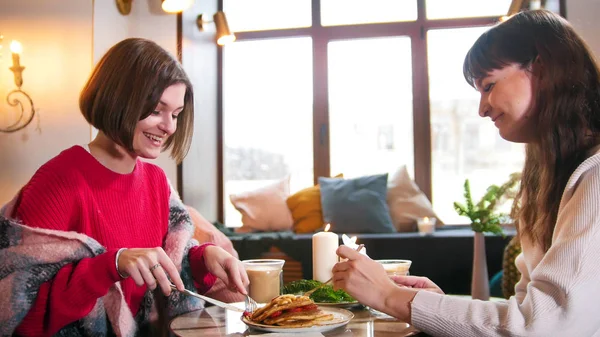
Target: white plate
341 317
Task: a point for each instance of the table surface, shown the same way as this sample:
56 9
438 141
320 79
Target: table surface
215 321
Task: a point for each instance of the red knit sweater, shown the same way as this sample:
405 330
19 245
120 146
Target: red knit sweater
74 192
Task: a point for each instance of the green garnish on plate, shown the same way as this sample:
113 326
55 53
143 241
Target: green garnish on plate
322 295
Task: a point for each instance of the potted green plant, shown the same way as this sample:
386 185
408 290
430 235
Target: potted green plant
485 218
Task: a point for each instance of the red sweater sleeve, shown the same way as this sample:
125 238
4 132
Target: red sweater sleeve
48 201
203 279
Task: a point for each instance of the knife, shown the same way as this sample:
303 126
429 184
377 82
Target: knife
209 300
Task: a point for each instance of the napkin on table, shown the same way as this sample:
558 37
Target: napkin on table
348 242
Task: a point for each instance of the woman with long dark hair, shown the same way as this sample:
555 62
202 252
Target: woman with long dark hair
540 85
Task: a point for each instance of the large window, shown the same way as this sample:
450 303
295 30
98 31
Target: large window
464 144
267 116
370 106
317 88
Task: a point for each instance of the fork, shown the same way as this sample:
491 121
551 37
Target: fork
251 304
308 293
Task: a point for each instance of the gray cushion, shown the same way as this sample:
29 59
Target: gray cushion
356 205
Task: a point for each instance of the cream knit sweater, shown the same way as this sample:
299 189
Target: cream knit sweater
559 291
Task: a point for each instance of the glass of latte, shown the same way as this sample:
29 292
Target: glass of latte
265 276
395 267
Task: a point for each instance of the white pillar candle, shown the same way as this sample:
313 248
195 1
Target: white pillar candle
324 246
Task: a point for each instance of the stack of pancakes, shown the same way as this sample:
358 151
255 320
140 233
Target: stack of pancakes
290 311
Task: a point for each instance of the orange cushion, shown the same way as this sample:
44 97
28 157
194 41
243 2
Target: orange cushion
305 206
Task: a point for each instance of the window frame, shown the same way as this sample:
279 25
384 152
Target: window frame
416 30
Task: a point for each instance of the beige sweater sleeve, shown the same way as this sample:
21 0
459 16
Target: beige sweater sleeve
559 293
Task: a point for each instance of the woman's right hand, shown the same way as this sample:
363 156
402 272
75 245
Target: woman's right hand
417 282
150 266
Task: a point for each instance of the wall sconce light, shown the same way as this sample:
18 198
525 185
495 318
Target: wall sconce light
176 6
169 6
124 6
12 98
224 35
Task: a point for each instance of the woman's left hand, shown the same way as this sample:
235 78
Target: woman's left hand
226 267
367 281
418 283
363 278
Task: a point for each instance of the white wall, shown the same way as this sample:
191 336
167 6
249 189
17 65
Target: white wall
583 15
62 40
200 167
57 53
146 20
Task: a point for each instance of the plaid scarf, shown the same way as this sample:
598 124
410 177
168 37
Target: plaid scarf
30 257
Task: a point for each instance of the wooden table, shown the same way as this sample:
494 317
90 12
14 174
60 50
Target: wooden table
215 321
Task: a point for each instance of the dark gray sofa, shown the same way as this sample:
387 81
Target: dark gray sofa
445 256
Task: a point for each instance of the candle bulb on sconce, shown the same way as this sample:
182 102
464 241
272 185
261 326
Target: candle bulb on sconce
18 98
16 48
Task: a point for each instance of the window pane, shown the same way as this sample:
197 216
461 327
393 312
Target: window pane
252 15
464 145
267 116
370 106
349 12
445 9
553 5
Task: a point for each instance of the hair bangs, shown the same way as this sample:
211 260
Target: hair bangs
483 58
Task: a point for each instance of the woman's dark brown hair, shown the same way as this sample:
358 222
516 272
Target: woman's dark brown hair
565 108
126 86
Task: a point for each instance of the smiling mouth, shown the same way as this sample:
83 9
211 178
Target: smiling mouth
497 117
153 138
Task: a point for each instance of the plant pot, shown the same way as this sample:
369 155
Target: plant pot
480 283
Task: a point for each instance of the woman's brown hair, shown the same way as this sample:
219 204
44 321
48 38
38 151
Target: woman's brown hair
126 86
565 108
